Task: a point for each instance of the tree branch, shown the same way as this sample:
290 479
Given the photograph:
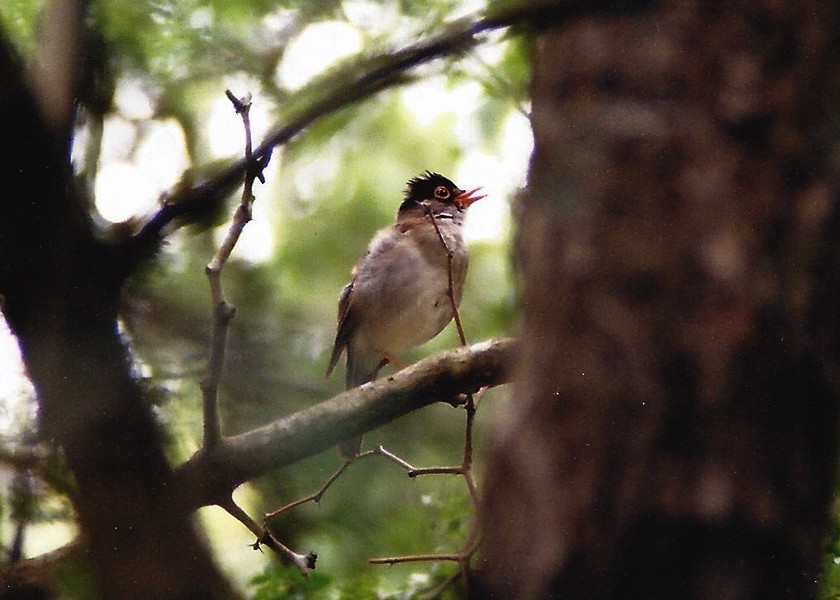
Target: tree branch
31 577
210 476
305 563
55 72
212 473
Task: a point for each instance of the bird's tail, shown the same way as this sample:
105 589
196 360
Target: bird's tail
362 366
350 448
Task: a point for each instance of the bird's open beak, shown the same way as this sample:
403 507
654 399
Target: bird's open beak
464 199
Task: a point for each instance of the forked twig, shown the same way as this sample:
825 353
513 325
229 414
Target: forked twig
465 468
463 558
304 562
317 495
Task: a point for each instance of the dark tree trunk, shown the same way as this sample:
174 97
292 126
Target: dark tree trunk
59 288
676 431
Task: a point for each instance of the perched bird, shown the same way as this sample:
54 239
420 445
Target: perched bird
399 295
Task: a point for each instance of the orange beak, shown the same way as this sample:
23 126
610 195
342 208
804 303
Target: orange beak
464 199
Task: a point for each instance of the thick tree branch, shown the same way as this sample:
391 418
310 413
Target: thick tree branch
211 474
55 72
32 577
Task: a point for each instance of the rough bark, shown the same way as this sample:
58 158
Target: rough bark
676 429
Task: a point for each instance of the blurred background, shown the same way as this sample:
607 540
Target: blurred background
156 118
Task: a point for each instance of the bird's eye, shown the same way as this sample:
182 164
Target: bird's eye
441 193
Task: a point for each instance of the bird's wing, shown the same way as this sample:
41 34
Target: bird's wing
382 243
346 324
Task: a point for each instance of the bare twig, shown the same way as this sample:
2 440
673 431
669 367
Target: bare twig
471 543
223 312
465 468
395 560
463 558
393 458
222 315
316 496
467 462
451 287
264 535
305 563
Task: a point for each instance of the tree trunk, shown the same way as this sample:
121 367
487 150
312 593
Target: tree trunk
677 392
59 291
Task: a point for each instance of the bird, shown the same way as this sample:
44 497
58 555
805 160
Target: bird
399 296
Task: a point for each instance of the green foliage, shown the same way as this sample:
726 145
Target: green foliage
75 581
173 41
18 19
286 583
830 579
829 588
278 582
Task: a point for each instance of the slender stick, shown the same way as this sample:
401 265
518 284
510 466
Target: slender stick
395 560
467 461
469 548
304 562
451 288
223 312
317 495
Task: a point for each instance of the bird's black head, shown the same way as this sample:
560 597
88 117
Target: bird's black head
436 187
431 186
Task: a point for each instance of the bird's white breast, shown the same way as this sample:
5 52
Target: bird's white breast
403 286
